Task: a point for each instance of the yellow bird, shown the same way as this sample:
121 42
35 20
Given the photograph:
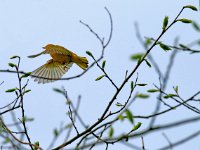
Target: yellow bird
55 68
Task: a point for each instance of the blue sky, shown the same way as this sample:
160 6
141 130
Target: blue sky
26 26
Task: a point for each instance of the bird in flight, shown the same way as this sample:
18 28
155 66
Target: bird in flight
55 68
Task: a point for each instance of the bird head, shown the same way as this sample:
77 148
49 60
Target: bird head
48 46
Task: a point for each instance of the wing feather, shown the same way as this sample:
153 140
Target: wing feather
42 74
38 73
51 71
59 73
55 73
48 75
60 69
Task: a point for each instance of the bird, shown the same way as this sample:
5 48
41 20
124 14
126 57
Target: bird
55 68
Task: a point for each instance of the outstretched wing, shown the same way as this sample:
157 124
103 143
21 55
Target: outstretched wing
36 55
51 71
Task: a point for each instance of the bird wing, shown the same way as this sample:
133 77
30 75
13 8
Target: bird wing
57 49
36 55
51 71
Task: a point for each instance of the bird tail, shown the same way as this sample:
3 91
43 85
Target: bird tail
51 71
82 62
36 55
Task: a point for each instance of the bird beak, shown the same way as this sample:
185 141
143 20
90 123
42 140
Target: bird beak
43 47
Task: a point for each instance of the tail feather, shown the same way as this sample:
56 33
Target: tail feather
51 71
82 62
36 55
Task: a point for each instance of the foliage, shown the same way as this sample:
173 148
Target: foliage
104 130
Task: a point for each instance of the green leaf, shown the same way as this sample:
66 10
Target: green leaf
7 140
137 126
11 65
196 26
191 7
68 126
89 53
165 22
185 20
137 56
58 90
129 115
176 89
147 41
153 90
24 119
164 47
103 64
141 84
26 75
148 63
170 96
99 78
36 145
55 132
119 104
121 117
110 132
11 90
132 85
13 57
143 96
26 91
29 119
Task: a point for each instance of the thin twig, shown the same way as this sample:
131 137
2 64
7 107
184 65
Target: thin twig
106 75
186 139
22 105
70 112
143 147
170 143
